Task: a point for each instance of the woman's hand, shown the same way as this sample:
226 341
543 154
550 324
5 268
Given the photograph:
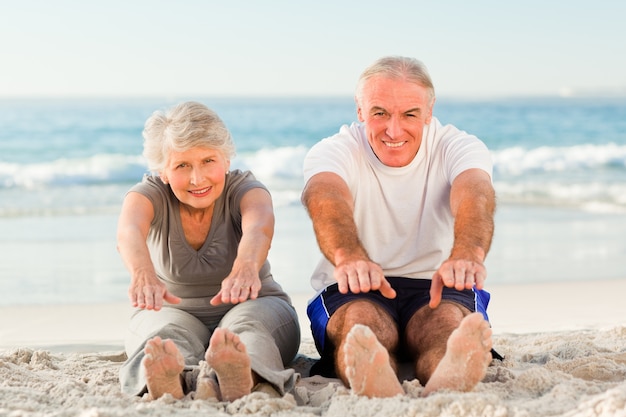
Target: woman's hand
257 225
148 292
242 284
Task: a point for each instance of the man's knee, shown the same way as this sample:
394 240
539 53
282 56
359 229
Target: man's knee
433 326
447 311
366 313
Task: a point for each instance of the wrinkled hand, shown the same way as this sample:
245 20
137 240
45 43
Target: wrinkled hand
150 294
459 274
242 284
362 276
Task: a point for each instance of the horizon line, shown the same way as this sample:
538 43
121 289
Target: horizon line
446 96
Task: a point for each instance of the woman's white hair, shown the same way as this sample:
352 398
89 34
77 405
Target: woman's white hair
184 126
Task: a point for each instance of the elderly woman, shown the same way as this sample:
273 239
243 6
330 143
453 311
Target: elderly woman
210 318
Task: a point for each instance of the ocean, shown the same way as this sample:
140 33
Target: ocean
65 165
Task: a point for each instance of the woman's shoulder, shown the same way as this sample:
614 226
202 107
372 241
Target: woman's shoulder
152 187
238 179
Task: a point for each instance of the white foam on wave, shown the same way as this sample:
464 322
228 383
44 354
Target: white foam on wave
104 168
592 177
517 160
267 164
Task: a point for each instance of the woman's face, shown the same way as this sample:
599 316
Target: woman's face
196 176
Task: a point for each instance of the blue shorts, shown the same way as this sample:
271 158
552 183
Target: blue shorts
412 294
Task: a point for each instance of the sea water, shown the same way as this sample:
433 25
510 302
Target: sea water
65 165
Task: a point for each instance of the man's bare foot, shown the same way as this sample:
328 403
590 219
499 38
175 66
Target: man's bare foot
367 365
163 364
467 357
228 356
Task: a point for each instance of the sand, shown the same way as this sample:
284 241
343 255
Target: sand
564 346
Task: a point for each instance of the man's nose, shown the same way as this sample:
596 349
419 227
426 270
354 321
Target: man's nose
394 127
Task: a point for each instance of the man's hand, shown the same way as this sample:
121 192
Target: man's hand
459 274
472 202
329 203
362 276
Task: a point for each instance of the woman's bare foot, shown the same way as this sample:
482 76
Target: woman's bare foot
467 357
228 356
163 364
206 387
367 365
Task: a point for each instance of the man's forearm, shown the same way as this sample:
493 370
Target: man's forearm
333 222
474 224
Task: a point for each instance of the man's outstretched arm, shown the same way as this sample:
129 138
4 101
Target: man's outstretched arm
473 203
329 203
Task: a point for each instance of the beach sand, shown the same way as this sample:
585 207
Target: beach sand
564 346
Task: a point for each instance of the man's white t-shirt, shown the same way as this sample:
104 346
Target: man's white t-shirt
402 214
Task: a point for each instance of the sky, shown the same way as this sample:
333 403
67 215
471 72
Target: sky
165 48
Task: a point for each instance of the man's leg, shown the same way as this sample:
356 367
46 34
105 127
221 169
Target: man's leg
365 334
452 347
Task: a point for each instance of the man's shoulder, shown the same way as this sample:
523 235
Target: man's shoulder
340 153
349 137
353 132
445 132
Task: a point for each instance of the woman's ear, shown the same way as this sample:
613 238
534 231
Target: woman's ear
163 178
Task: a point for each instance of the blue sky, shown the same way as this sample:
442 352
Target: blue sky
290 47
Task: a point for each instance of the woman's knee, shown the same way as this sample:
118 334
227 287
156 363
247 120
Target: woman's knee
270 312
168 323
274 318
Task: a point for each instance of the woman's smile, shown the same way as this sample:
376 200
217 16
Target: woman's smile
201 192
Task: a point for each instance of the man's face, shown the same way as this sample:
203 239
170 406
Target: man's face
394 112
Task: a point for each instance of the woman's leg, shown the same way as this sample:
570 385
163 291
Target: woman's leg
268 328
187 332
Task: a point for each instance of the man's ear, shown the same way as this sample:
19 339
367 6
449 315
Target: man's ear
429 117
359 114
